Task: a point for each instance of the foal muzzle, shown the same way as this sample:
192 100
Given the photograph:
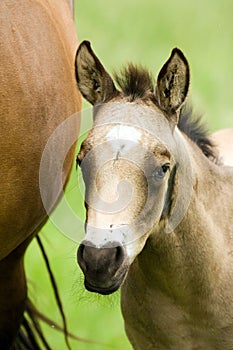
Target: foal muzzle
104 268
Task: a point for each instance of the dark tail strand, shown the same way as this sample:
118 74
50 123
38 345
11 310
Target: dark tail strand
30 331
30 335
31 312
55 290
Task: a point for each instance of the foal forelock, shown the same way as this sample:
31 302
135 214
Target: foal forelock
135 82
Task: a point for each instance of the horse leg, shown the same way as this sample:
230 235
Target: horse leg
13 293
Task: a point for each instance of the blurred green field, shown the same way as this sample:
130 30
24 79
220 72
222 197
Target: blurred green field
143 32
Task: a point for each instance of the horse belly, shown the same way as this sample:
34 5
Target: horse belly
38 92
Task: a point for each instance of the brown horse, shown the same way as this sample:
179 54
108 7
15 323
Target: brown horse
38 92
159 208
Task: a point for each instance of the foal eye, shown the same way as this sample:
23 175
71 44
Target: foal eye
160 172
165 167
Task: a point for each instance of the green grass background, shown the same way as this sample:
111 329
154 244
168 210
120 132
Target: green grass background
144 32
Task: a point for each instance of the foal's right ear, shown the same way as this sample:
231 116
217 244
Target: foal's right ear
94 82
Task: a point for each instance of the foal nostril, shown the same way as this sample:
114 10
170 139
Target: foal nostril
80 256
100 260
119 255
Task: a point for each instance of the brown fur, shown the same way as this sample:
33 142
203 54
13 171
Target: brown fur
38 91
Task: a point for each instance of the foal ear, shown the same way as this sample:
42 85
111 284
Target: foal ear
173 83
94 82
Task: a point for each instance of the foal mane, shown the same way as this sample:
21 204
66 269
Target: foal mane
136 82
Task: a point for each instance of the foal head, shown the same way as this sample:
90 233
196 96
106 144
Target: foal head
126 161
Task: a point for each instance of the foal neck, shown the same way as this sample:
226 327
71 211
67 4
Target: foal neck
196 257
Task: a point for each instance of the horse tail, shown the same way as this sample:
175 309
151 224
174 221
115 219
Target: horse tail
30 335
55 290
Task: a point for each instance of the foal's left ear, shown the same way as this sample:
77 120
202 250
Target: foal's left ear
173 83
94 83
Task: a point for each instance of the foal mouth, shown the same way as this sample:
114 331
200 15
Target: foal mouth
102 290
94 288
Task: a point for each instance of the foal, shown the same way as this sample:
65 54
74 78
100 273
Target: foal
159 217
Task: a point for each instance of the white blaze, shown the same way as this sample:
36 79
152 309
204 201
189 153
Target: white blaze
124 132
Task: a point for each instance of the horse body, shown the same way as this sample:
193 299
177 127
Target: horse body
38 92
159 209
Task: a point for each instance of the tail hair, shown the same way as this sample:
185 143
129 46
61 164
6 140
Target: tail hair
30 335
